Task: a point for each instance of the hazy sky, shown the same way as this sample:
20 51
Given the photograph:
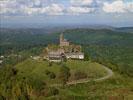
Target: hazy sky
49 12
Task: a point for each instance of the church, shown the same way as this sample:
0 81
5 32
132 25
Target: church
65 50
63 42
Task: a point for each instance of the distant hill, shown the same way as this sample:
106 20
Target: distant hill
99 37
27 38
125 29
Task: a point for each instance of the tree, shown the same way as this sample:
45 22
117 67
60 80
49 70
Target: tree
54 91
64 74
80 75
47 72
50 64
51 91
87 57
52 75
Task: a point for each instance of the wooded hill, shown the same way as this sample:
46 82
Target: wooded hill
102 45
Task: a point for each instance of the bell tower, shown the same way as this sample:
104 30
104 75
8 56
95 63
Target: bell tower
63 42
61 38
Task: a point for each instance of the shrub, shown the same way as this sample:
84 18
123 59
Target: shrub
23 97
54 91
50 92
47 72
37 84
80 75
2 97
50 64
14 71
64 74
52 75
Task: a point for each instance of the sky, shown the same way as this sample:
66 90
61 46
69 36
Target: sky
61 12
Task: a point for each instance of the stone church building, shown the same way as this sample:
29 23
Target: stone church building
60 53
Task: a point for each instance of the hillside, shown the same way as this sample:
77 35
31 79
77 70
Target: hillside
125 29
37 70
111 48
20 39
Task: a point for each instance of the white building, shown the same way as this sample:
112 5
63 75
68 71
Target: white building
1 61
36 57
54 56
75 56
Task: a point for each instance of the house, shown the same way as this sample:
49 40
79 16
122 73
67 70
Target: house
75 55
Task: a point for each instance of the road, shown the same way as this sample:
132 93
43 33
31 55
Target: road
109 74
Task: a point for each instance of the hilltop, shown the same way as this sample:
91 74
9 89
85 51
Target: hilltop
102 47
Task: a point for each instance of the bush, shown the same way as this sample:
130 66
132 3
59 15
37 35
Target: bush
14 71
37 84
47 72
80 75
50 64
52 92
23 97
64 74
2 97
52 75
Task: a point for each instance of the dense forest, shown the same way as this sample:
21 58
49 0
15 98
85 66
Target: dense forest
113 48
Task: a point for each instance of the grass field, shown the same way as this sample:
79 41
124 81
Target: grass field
37 69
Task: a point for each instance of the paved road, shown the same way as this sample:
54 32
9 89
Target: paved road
109 74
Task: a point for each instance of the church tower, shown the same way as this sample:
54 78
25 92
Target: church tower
61 38
63 42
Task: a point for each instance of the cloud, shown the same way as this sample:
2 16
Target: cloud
129 7
79 10
81 7
118 7
63 7
53 9
81 2
36 7
8 6
44 7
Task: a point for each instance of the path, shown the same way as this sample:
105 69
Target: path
109 74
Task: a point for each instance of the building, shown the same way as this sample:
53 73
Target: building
58 55
1 61
63 42
36 57
55 56
75 55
